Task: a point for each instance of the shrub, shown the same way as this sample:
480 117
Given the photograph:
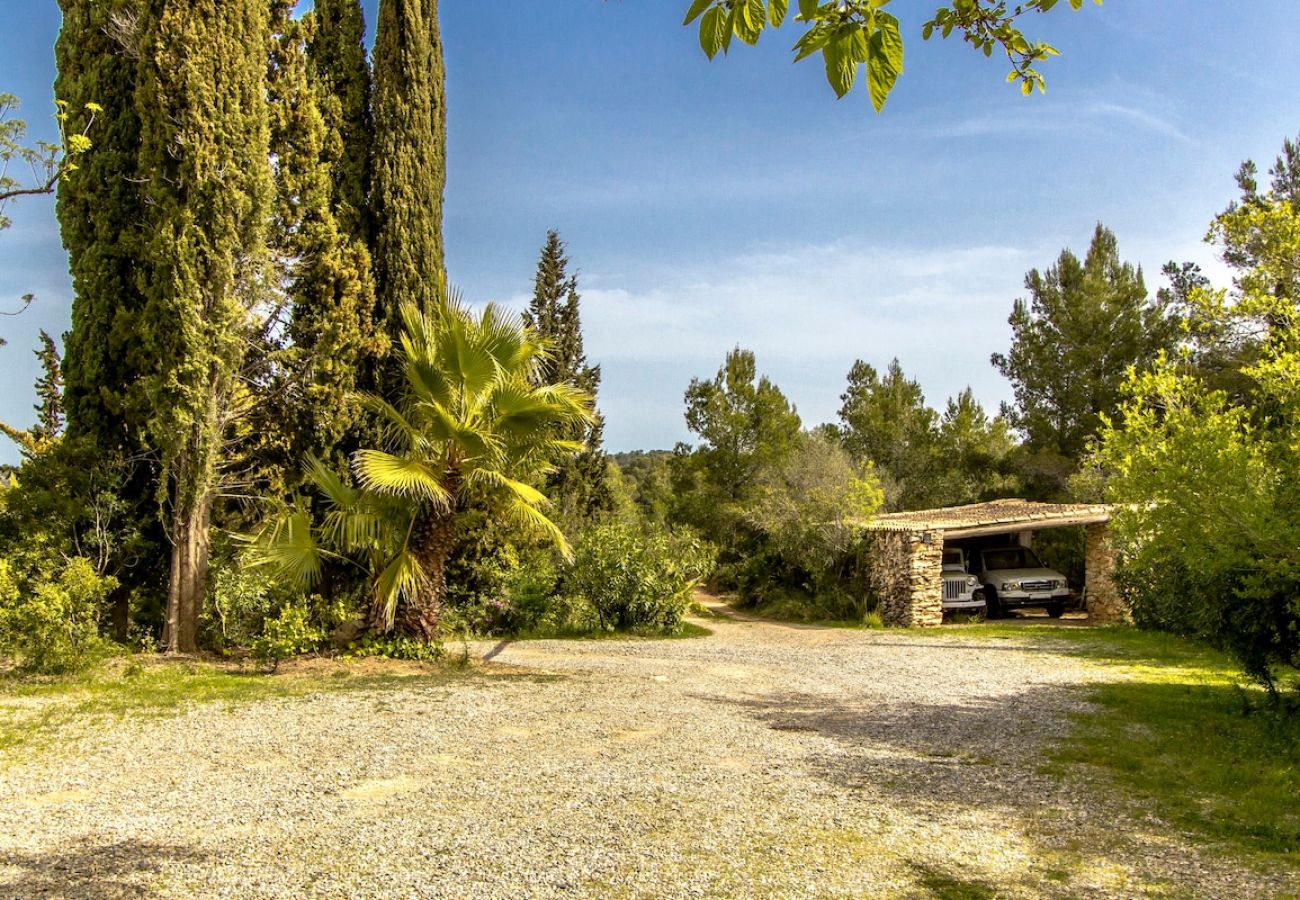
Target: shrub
50 611
290 633
635 580
396 647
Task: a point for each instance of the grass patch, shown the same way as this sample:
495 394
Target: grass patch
804 611
685 630
1183 735
944 886
1200 751
34 708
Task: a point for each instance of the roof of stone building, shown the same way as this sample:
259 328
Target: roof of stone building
996 516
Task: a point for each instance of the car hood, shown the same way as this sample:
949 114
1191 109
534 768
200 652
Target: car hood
1023 575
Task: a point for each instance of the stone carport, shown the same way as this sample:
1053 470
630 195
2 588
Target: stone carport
905 554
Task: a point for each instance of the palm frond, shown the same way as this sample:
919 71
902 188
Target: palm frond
404 476
287 546
399 581
339 494
533 519
521 491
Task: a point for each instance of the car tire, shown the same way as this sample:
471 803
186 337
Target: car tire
992 609
1055 610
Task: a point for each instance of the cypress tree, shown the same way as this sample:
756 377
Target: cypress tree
340 77
308 403
100 218
201 99
409 141
577 486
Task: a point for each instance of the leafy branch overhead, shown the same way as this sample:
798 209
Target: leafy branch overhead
851 34
48 163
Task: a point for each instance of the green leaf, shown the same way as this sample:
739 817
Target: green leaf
807 10
776 12
697 8
841 68
711 31
886 60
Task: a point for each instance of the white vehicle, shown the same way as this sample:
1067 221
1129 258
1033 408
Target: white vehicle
1015 577
961 590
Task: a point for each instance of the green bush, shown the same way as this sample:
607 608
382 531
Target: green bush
288 634
396 647
634 580
50 611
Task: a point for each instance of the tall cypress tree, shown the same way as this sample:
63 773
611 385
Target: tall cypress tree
578 485
201 100
101 215
340 76
102 218
308 404
409 157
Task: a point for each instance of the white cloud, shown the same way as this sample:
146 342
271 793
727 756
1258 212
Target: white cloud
807 312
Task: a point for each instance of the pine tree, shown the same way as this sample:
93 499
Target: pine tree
307 403
1085 323
44 435
340 76
201 99
409 139
578 486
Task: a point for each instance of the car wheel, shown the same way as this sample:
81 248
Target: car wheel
1056 610
992 609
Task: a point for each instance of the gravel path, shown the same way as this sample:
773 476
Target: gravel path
766 760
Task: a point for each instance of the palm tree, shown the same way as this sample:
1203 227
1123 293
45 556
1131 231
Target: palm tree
469 417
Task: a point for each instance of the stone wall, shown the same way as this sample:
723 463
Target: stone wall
1104 603
906 574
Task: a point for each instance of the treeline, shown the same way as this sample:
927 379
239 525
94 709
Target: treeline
273 424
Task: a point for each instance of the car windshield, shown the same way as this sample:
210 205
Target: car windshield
1011 558
952 560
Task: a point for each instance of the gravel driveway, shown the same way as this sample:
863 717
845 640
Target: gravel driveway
765 760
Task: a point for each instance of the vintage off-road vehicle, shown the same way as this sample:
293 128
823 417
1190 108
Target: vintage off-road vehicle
961 590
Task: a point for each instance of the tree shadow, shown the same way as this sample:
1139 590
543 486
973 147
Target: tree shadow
123 869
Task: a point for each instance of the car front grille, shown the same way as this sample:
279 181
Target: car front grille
1034 586
954 588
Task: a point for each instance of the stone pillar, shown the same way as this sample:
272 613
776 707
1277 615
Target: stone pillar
906 572
1104 603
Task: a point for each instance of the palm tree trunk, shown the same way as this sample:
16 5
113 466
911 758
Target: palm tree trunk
431 542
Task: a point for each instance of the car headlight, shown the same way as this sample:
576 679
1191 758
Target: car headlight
971 581
1011 585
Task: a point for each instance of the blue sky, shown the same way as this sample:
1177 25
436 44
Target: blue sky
738 202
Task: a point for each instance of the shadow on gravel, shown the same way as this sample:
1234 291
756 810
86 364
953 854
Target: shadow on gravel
120 870
982 763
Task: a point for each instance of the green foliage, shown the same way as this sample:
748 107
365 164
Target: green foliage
204 155
853 34
471 426
1086 323
635 580
304 400
396 646
409 142
578 485
49 163
340 79
288 634
745 424
1208 487
810 509
887 424
50 609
